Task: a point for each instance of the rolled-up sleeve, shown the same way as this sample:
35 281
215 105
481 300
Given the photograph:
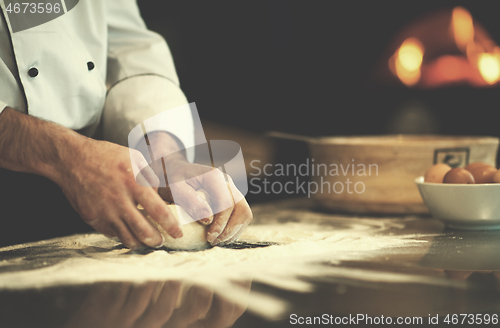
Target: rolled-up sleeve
141 78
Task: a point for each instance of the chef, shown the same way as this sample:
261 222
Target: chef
71 90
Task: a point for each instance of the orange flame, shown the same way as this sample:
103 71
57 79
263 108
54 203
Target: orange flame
462 26
487 63
407 60
489 67
478 64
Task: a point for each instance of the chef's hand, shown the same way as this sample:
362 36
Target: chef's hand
96 177
227 219
99 182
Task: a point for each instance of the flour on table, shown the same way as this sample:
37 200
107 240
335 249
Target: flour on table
301 250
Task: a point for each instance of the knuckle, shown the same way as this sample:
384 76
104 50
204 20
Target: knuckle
122 166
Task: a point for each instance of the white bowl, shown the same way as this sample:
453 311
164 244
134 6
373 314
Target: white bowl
463 206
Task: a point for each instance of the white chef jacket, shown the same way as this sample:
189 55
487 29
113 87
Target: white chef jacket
95 64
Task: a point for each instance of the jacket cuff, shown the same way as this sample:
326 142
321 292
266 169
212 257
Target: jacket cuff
149 102
2 106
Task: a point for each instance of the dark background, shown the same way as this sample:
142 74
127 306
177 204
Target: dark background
307 66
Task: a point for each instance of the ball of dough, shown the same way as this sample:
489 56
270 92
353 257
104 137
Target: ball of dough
194 234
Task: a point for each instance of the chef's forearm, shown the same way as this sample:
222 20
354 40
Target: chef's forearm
31 145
